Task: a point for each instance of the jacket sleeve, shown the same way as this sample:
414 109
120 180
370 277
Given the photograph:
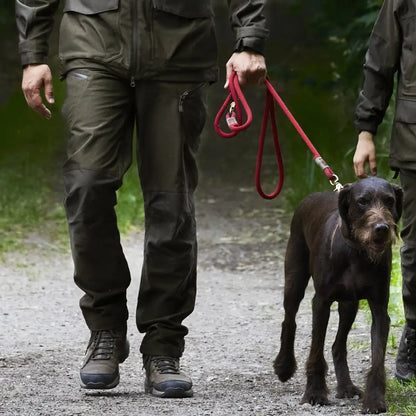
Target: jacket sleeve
248 24
34 20
381 63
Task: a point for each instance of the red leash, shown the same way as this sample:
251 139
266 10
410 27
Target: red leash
234 120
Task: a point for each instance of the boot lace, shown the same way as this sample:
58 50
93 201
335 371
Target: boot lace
411 348
166 365
104 342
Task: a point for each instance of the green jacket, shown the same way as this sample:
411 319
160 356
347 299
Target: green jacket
158 39
391 53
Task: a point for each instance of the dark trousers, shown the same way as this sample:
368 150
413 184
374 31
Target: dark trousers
101 111
408 250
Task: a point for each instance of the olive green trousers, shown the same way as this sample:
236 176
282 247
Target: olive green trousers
101 111
408 249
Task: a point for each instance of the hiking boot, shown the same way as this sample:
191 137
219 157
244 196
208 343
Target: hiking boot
164 377
106 349
406 356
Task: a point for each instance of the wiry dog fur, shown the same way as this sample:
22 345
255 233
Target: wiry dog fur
344 242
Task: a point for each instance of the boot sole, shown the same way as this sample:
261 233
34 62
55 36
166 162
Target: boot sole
170 393
99 385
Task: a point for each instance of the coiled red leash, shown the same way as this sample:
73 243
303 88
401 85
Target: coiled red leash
234 115
234 120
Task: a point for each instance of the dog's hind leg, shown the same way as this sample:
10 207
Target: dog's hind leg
347 312
296 280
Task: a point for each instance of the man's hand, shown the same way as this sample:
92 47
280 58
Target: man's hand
35 79
365 152
249 66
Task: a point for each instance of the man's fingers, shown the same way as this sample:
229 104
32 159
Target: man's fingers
359 165
38 78
242 79
365 152
34 100
360 171
373 166
228 71
49 91
250 68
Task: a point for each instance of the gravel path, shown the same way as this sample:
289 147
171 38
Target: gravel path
234 331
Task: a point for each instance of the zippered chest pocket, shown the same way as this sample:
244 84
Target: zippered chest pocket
90 29
183 34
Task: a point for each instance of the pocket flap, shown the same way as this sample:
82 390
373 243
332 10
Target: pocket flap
185 8
405 111
90 6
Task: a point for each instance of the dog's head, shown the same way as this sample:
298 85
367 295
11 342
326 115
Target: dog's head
370 210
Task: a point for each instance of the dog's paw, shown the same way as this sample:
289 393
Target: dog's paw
348 391
374 406
284 367
314 398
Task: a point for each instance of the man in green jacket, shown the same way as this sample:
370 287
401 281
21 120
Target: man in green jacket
391 52
146 64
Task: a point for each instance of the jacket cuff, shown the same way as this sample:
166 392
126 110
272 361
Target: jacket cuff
253 44
251 38
365 126
31 53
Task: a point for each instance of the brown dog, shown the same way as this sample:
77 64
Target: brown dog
344 242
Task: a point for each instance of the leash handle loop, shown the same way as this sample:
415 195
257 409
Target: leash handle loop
269 112
234 115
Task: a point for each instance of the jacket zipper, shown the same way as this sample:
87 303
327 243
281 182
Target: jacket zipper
188 92
133 43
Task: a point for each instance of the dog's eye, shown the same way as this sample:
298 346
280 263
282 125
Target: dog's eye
362 202
389 201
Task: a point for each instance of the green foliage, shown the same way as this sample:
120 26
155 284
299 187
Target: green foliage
28 170
401 398
396 301
345 27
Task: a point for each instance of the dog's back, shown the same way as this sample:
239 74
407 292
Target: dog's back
312 212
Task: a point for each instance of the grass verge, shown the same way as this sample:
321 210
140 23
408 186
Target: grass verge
401 398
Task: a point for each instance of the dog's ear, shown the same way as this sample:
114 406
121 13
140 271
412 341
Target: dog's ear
399 201
343 207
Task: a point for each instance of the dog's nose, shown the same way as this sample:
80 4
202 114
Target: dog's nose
381 229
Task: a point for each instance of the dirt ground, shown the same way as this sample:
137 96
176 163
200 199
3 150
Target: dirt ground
234 331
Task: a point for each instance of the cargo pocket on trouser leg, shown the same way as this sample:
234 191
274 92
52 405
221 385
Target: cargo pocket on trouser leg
193 114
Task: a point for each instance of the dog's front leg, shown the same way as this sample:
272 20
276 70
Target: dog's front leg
316 390
347 312
374 396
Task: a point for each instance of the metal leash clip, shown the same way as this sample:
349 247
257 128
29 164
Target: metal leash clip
231 116
338 186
